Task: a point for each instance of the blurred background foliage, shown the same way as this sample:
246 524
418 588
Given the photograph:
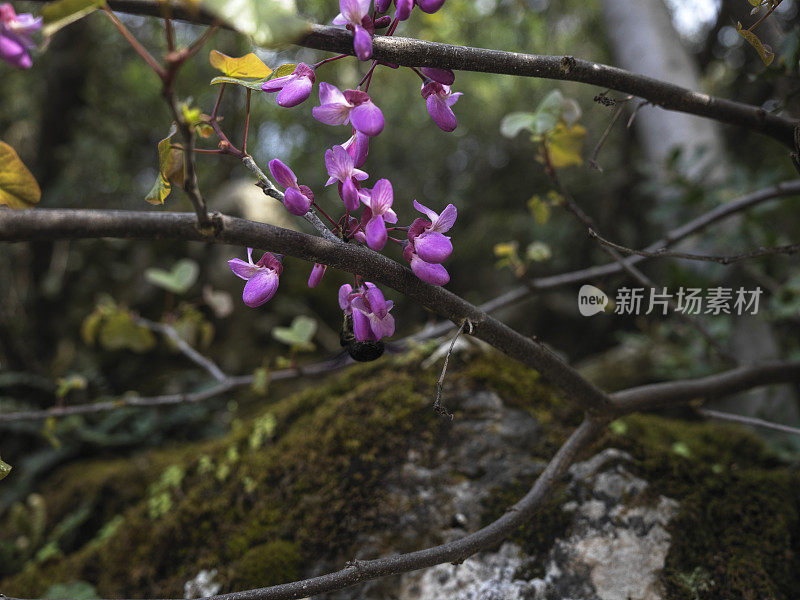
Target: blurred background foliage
86 120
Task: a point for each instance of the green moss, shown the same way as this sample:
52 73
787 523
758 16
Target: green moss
268 564
305 478
737 534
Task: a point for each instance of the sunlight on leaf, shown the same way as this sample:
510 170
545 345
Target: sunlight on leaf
18 186
248 65
253 84
565 144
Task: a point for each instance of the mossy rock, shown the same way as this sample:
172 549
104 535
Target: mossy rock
305 482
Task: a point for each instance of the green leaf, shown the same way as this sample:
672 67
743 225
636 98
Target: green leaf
540 210
299 335
253 84
170 169
538 252
60 14
69 383
249 65
681 449
119 332
284 70
267 22
515 122
18 186
764 51
5 469
178 280
260 381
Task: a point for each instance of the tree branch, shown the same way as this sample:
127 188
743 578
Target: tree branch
22 225
672 393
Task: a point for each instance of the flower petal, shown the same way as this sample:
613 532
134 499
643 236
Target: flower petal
430 6
443 76
330 94
403 9
376 232
339 163
433 247
441 114
282 174
316 275
362 43
261 287
361 326
434 274
382 197
344 300
242 269
432 216
446 219
350 194
332 113
296 202
367 118
295 92
276 85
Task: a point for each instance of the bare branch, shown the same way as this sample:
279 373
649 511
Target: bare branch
755 422
22 225
723 260
185 348
672 393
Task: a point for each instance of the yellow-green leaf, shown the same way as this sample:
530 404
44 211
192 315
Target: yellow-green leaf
564 145
60 14
5 469
119 331
284 70
248 65
170 170
18 186
253 84
764 51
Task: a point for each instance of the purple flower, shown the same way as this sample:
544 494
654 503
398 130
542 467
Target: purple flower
382 5
355 14
380 212
292 89
316 275
430 6
15 36
439 99
345 298
443 76
371 318
427 235
358 147
261 277
341 168
428 246
354 106
297 198
404 8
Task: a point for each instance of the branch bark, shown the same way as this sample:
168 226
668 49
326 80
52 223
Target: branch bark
41 224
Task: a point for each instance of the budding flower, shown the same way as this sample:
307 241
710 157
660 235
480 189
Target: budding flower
261 277
15 36
292 89
316 275
430 6
378 213
296 198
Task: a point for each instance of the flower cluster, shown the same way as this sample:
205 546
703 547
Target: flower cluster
15 36
423 243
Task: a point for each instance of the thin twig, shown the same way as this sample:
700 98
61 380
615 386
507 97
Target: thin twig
270 190
754 421
185 348
438 407
723 260
602 140
135 44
